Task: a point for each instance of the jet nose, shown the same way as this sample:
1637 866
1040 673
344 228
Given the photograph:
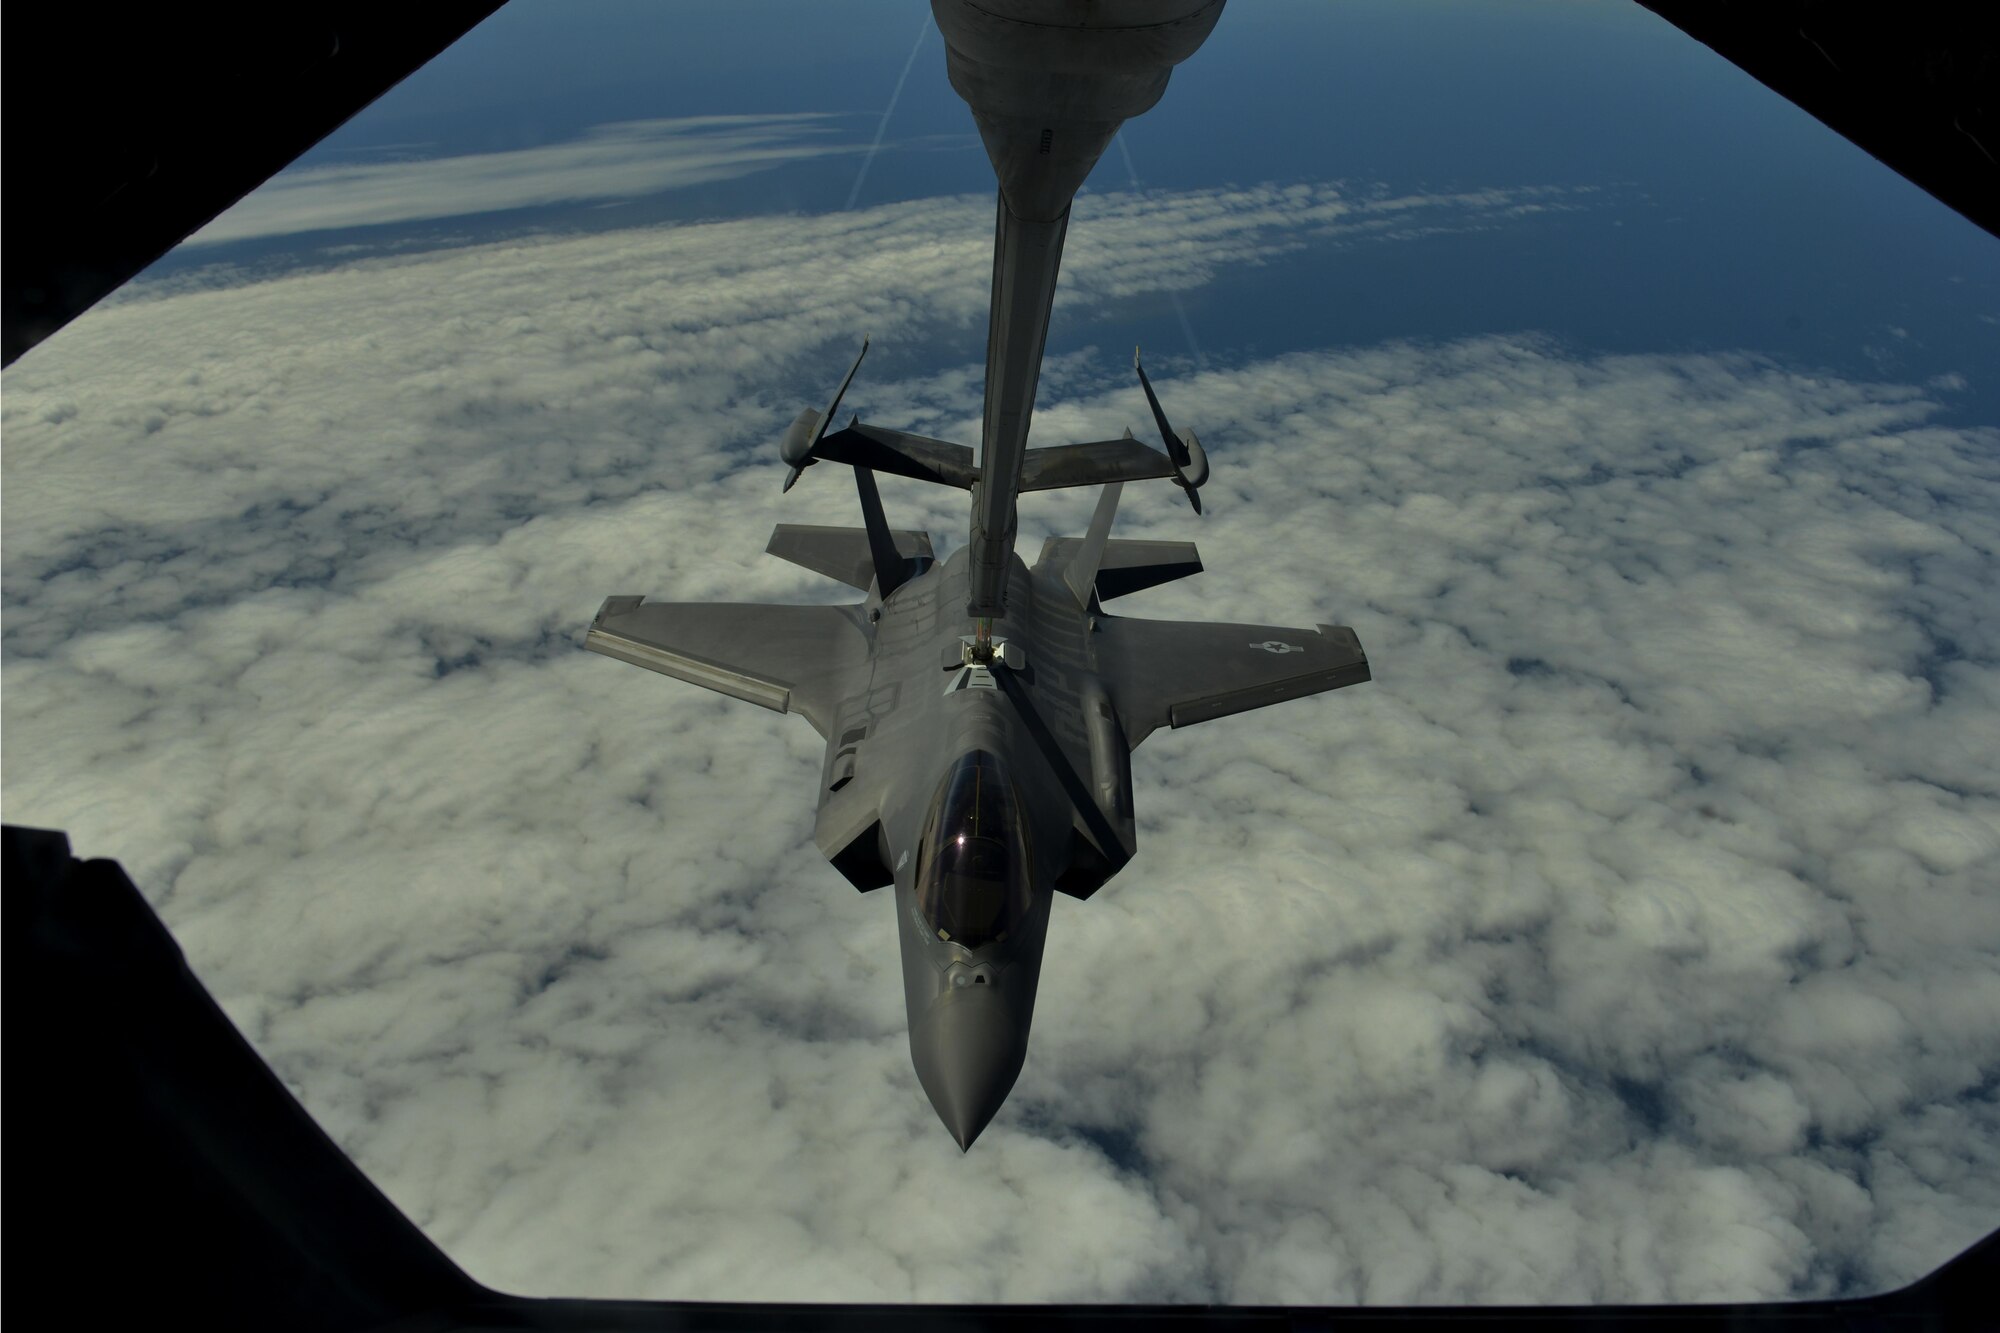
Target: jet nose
968 1052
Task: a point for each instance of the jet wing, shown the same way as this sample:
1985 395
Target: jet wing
788 658
1176 673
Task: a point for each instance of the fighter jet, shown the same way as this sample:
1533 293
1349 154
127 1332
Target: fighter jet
980 713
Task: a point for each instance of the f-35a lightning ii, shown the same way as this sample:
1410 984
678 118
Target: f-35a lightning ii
980 714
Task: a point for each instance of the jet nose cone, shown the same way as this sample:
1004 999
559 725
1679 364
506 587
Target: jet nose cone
968 1052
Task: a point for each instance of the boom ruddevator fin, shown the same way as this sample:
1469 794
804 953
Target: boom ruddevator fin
802 437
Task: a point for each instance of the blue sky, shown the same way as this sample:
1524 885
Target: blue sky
1631 936
1729 219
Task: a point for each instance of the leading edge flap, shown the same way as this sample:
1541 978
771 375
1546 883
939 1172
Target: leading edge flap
786 658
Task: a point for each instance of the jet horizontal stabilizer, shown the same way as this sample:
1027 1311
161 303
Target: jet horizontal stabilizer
842 554
1127 566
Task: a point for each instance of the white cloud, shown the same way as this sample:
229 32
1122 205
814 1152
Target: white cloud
615 161
1630 937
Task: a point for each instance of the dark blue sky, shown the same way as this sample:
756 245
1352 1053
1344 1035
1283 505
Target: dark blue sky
1729 220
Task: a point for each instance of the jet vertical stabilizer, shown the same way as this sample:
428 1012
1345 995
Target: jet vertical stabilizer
1081 571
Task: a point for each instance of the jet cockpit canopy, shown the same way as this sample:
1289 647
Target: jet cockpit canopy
972 862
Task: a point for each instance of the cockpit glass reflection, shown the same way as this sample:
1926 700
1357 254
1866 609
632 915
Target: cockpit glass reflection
972 870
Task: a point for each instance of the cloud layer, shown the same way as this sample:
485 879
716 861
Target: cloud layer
1631 937
619 161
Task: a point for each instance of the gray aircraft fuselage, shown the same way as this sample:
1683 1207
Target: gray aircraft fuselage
980 714
970 998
